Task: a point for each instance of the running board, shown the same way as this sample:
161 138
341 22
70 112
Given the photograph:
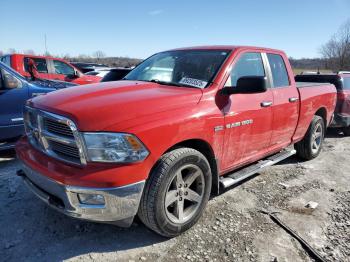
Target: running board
251 170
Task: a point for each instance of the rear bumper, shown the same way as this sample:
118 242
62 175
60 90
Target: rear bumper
340 120
120 205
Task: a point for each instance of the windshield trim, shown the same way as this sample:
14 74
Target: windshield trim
209 82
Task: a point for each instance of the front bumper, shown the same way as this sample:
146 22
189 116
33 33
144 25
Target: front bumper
120 207
340 120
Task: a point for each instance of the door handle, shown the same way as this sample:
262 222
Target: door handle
293 99
266 104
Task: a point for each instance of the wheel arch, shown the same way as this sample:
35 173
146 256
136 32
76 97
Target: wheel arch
322 112
205 148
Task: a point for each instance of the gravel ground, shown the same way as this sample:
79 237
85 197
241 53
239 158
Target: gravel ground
232 228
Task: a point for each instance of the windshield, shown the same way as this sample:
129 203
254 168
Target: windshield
192 68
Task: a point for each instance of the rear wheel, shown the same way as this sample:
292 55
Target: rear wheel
176 192
346 131
311 145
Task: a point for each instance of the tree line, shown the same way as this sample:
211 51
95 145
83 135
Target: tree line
98 57
335 55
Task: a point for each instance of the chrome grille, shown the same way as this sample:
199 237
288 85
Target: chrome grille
57 128
65 150
54 135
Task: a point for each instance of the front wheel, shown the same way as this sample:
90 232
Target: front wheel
176 192
311 145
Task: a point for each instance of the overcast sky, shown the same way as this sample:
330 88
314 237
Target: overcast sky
140 28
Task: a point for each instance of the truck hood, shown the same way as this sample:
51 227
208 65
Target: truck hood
98 106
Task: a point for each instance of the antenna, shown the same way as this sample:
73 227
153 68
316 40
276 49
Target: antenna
45 45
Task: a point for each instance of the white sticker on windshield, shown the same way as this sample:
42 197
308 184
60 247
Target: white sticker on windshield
193 82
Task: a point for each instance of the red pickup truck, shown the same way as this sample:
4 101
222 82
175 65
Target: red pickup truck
183 124
341 81
48 68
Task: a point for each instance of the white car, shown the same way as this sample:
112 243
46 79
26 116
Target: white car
101 72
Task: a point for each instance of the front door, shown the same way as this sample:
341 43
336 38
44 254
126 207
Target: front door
61 71
248 117
13 95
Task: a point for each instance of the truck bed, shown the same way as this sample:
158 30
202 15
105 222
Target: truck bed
312 97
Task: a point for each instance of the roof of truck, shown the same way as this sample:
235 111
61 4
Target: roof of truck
226 47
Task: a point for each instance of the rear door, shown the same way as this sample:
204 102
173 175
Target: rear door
13 95
248 117
285 107
41 65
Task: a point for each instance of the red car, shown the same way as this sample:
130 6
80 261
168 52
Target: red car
181 125
341 80
48 68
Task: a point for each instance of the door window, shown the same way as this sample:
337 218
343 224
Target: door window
40 64
62 68
279 71
8 81
248 64
6 60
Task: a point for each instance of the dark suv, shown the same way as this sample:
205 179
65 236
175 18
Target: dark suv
342 82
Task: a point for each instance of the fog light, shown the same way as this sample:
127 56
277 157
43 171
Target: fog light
91 199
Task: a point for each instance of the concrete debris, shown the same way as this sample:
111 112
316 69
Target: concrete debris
311 205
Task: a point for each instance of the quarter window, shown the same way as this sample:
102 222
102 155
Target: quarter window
279 71
249 64
62 68
40 64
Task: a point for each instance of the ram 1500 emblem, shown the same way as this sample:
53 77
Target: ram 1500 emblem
242 123
232 125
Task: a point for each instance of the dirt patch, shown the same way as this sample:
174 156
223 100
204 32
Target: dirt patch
231 229
338 232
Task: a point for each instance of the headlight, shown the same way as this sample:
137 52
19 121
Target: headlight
114 147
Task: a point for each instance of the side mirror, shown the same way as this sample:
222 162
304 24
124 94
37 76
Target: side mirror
73 76
247 85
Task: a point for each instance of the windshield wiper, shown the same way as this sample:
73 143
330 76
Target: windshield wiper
170 83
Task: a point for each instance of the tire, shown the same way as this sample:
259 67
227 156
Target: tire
311 145
346 131
166 194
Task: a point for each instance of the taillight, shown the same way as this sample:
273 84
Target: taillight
343 102
342 96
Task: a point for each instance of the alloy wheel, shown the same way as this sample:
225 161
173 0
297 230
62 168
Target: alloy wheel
184 194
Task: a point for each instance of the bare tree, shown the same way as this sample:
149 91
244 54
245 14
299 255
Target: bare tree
337 50
99 54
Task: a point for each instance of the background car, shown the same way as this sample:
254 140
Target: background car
341 80
88 67
48 68
116 74
15 90
99 72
